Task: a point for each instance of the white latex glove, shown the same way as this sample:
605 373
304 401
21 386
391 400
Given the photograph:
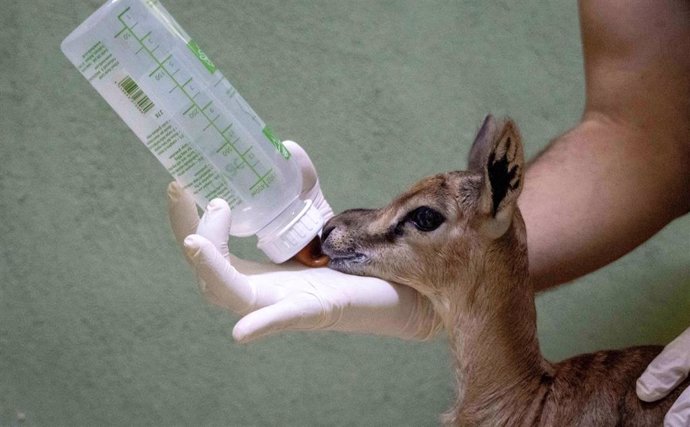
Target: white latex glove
273 298
664 374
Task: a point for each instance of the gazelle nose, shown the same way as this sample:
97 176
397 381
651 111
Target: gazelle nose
328 229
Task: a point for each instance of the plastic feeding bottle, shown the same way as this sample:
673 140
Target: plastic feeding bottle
189 116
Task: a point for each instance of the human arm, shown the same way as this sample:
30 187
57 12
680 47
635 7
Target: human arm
622 174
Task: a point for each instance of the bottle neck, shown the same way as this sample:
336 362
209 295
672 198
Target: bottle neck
290 231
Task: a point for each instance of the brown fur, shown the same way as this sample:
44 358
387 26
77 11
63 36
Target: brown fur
474 269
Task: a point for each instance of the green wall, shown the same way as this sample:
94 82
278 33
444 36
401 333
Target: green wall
100 319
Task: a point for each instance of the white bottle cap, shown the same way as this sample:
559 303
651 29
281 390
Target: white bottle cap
284 241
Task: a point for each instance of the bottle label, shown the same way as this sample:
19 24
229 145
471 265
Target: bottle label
277 143
205 60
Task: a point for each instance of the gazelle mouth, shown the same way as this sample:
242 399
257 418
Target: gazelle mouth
343 261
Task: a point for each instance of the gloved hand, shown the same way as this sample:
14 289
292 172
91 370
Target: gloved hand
664 374
273 298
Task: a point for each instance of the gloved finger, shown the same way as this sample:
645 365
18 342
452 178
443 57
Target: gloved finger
182 212
306 166
303 312
667 370
219 281
215 225
679 414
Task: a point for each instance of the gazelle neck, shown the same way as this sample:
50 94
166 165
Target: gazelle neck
492 333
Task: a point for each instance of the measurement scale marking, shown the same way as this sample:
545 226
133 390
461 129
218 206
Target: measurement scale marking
159 66
120 15
120 32
212 122
191 107
261 178
232 144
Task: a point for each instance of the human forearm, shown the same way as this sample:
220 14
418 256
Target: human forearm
595 194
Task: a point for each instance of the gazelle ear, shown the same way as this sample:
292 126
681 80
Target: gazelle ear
502 180
482 144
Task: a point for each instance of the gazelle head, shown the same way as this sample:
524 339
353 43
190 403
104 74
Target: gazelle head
446 230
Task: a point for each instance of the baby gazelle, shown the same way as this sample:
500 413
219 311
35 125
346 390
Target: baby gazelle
459 239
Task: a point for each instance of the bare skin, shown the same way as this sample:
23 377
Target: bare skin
626 166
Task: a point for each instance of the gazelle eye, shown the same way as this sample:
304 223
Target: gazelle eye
426 219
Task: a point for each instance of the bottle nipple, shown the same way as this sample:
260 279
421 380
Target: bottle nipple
311 255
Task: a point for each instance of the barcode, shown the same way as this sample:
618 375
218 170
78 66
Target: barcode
134 92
